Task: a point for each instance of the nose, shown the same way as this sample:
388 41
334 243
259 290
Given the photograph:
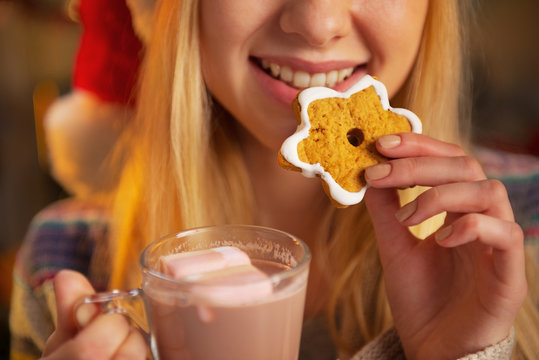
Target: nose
318 22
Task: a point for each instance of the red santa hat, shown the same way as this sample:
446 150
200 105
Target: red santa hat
82 126
110 53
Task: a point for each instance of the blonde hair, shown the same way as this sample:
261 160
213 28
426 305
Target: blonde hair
184 168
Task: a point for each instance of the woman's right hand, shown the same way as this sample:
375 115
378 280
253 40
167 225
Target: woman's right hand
103 336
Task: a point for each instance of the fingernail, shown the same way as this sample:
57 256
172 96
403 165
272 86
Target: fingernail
85 313
443 233
377 171
389 141
406 211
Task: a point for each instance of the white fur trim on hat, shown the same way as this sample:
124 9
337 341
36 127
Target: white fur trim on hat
80 132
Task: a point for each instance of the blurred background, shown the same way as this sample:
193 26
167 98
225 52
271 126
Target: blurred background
37 43
38 40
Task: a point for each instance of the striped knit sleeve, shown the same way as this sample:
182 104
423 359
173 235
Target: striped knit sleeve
388 347
62 236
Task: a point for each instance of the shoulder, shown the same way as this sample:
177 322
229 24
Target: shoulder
63 235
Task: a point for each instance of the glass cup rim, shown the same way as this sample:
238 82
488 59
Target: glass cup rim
274 278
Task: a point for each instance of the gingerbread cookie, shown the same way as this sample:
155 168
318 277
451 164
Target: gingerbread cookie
336 136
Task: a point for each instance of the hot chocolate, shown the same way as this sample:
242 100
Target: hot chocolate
267 327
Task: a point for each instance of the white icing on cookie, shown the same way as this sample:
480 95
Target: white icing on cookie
290 145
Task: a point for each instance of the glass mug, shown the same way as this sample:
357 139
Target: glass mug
180 323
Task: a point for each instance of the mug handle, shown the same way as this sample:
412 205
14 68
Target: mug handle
130 303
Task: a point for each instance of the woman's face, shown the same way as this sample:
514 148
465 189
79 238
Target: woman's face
256 55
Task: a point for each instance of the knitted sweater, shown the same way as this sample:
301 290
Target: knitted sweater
72 234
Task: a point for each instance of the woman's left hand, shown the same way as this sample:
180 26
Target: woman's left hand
459 290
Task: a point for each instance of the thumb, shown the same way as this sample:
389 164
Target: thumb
393 238
69 287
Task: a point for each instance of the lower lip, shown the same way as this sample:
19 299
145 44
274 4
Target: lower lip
284 94
278 90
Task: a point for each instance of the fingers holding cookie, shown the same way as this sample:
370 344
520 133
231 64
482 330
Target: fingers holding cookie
487 197
423 171
410 144
421 160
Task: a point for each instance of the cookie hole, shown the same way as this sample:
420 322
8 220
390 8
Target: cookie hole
355 137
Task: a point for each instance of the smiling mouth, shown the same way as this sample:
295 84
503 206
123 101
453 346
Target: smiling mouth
300 79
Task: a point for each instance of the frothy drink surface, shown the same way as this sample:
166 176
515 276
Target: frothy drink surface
269 328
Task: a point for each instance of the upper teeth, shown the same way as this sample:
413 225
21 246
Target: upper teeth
301 79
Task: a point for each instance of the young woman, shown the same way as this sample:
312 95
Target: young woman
203 151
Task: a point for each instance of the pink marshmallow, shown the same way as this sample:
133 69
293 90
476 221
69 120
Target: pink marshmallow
223 274
190 263
234 285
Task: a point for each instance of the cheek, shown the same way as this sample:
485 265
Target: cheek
226 37
232 22
393 32
218 27
220 41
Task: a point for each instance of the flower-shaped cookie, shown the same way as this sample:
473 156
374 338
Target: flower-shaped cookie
336 136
